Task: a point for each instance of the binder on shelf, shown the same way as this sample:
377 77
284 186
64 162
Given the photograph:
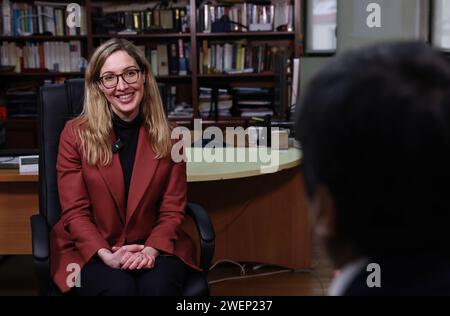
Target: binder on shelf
173 59
154 61
182 60
163 61
166 19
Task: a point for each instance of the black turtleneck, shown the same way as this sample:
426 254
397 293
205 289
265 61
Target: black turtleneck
128 133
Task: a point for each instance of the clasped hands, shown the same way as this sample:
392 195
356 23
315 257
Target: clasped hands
129 257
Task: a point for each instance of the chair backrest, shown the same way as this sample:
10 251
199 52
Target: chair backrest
57 104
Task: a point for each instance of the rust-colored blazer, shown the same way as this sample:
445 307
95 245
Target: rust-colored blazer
95 214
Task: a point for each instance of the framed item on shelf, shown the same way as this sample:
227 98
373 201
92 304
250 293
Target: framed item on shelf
321 26
441 25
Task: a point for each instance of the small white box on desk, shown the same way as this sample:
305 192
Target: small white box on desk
280 139
28 164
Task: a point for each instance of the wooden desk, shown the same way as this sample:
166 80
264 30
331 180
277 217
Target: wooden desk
257 217
18 201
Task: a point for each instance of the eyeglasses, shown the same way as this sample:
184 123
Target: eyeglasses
110 81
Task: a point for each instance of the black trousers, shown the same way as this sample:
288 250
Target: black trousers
166 278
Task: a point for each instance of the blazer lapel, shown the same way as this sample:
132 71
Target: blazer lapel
113 178
145 165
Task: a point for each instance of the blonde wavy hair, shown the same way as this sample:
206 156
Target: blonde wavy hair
94 125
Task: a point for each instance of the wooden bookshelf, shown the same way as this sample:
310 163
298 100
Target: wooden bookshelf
262 35
187 85
25 38
174 77
41 74
237 76
157 36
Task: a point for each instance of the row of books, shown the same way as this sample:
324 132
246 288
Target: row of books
253 102
237 57
242 101
177 110
247 16
145 21
239 102
168 59
209 100
44 56
22 18
182 111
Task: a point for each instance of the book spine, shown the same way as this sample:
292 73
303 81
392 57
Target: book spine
6 17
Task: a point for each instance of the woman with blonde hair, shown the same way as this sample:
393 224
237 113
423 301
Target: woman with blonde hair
122 196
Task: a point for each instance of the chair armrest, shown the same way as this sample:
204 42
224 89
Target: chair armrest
206 232
40 238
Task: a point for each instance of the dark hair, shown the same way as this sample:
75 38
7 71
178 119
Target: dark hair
374 126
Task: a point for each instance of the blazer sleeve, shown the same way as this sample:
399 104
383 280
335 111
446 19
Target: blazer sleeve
171 211
76 214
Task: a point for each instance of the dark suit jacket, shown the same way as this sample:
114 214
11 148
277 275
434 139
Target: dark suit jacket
427 274
95 214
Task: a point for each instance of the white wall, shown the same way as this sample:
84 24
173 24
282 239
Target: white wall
441 24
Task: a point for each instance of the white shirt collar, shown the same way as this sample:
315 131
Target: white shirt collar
346 276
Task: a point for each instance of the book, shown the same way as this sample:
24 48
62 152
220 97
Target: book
173 59
166 19
163 60
154 61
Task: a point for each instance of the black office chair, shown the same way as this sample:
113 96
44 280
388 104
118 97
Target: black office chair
59 103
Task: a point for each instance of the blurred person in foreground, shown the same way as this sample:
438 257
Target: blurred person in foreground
374 126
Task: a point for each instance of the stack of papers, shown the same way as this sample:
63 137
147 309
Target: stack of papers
9 162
